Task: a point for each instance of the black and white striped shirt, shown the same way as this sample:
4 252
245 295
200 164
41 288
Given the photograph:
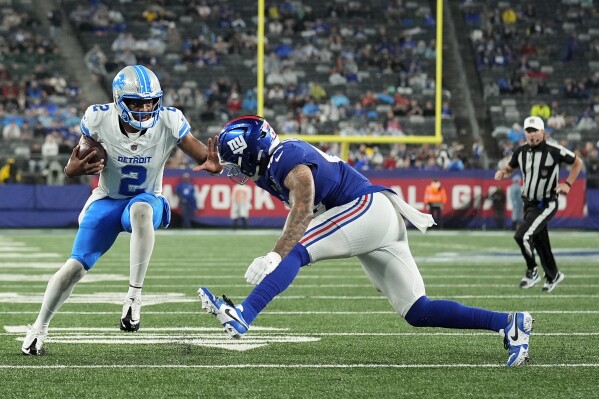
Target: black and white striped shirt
540 168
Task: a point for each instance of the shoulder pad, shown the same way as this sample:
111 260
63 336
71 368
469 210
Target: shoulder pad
93 116
171 116
175 121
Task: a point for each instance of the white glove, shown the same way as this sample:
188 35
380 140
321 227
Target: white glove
262 266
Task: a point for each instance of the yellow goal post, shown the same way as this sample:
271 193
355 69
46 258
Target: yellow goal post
346 141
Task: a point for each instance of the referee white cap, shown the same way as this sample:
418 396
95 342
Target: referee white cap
534 122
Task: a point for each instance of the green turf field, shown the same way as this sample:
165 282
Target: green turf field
330 335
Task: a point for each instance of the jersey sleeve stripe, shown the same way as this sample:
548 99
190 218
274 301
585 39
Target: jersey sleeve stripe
84 129
184 134
184 130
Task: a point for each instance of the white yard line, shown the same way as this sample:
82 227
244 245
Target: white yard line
290 366
307 312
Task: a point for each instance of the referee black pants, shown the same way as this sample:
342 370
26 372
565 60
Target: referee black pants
533 236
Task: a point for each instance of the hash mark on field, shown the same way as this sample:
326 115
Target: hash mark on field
207 337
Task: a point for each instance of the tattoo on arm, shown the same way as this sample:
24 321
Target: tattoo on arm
301 197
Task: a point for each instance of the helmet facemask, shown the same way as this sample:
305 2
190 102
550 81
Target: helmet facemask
244 146
139 119
137 83
240 175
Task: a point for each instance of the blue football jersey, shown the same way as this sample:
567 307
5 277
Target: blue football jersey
336 183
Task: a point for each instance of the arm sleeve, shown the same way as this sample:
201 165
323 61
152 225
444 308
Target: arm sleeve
286 158
566 155
514 163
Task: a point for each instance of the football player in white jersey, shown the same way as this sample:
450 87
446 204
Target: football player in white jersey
138 133
335 212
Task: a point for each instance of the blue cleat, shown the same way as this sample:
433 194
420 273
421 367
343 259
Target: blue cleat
225 311
516 336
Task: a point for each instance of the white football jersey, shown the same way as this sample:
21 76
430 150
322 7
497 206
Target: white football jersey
133 165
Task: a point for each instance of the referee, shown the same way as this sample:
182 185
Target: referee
539 162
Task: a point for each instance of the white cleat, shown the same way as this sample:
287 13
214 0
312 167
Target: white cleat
34 342
130 317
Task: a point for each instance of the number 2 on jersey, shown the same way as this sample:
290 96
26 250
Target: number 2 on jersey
135 177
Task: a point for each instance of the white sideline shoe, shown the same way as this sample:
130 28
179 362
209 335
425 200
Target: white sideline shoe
530 279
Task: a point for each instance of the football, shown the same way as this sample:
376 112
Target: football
86 145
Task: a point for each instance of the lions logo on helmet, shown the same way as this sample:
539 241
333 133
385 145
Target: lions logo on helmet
136 82
244 146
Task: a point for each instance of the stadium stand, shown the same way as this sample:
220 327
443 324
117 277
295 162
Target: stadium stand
341 67
204 54
539 58
40 105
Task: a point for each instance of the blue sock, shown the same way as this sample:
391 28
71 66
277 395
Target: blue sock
450 314
274 283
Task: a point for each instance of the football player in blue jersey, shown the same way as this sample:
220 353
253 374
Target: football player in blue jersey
138 133
335 212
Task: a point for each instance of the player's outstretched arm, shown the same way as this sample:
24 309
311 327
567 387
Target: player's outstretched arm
301 198
205 156
79 167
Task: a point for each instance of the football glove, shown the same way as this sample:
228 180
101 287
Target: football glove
262 266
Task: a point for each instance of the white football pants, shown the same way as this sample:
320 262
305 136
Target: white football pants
371 229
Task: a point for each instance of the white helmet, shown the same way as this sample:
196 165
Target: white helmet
139 83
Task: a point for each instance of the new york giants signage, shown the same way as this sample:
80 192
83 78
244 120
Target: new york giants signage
468 203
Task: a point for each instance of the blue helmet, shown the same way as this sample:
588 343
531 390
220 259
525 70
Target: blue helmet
136 82
244 146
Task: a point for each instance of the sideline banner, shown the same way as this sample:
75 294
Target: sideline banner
468 203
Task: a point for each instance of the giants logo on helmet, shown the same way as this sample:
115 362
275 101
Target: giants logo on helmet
237 145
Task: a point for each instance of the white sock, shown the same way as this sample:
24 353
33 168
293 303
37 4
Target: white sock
141 246
58 290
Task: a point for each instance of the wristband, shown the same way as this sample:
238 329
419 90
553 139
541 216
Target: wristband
568 183
65 172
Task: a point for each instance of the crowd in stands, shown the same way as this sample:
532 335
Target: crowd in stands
539 58
329 67
347 68
40 108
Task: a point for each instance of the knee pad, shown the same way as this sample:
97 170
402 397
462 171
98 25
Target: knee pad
70 273
141 213
158 215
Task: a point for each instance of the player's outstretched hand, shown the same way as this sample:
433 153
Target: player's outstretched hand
84 166
262 266
212 164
